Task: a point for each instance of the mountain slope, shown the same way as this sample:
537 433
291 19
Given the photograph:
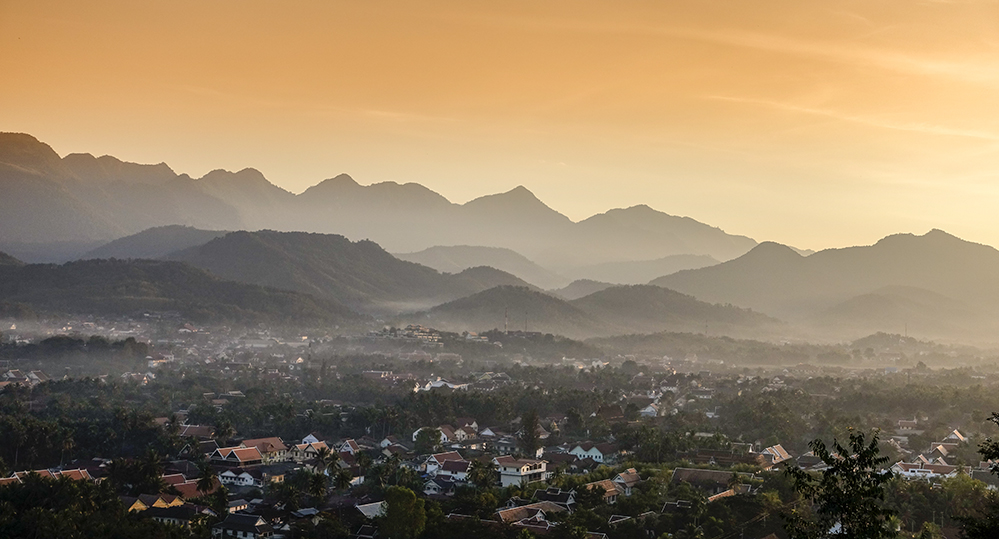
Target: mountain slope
155 242
7 260
518 308
360 274
614 311
651 309
124 288
641 271
904 309
776 280
580 288
621 232
457 258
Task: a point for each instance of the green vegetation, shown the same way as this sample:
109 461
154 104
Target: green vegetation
848 497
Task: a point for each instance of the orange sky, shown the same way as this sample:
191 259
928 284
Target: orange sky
811 123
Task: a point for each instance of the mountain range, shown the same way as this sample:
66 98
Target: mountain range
613 311
50 201
359 274
935 284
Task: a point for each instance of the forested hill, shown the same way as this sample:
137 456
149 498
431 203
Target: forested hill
121 288
7 260
360 274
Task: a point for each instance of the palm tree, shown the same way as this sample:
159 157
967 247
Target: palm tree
223 431
318 488
327 460
342 479
363 461
482 474
207 480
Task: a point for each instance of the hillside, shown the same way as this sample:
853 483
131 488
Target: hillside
613 311
127 288
155 242
903 309
85 199
650 309
518 308
776 280
457 258
640 271
7 260
360 274
705 347
580 288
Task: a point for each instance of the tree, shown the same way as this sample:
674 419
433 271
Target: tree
318 488
482 474
405 516
848 496
428 440
207 480
529 430
342 479
986 523
327 460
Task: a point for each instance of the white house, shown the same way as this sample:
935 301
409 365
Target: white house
436 461
514 471
920 470
603 452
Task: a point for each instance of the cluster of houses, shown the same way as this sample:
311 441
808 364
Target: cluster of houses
17 377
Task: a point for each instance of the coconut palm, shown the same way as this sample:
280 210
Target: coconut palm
342 479
207 480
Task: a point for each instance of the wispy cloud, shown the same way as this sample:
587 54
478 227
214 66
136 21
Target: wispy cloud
872 121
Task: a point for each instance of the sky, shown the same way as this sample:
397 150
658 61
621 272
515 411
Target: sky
812 123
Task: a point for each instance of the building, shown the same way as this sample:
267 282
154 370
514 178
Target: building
627 480
436 461
271 449
608 488
243 527
604 452
514 471
236 456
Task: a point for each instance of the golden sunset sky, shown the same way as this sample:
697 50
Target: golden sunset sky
812 123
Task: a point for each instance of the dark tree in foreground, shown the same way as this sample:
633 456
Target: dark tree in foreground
529 439
847 498
405 516
986 524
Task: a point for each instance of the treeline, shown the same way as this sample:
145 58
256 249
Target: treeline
63 345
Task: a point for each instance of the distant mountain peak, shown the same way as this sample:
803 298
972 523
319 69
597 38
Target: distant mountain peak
515 201
343 179
772 248
339 182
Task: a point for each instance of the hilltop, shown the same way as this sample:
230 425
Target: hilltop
360 274
155 242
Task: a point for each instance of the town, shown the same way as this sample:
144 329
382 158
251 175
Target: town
412 432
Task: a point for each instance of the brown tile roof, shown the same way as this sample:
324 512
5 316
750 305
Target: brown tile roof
266 445
608 486
509 516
